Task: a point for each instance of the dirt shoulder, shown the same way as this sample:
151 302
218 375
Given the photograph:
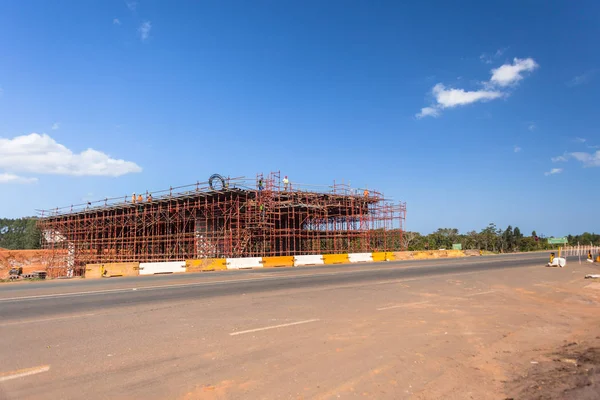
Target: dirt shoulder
570 373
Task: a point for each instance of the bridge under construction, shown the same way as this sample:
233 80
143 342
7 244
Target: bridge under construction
225 218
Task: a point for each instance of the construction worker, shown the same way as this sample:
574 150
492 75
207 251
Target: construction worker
140 199
261 185
133 198
366 193
286 183
262 212
149 197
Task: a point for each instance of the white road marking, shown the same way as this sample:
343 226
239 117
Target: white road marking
480 293
402 305
20 373
273 327
45 320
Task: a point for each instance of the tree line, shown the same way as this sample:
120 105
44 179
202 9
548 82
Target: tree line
491 238
19 234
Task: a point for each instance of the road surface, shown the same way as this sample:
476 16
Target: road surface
381 330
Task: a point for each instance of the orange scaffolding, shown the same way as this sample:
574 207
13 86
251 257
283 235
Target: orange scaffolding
225 218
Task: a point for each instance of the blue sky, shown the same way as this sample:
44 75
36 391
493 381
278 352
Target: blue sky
167 93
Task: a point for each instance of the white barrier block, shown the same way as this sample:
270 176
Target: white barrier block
245 262
313 259
360 257
558 262
168 267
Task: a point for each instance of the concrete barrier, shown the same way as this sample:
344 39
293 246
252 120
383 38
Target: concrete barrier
383 256
360 257
335 258
168 267
94 271
281 261
245 262
120 269
206 264
313 259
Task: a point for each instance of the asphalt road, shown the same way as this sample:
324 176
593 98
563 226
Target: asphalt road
234 334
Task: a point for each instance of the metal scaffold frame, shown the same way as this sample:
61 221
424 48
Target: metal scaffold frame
225 218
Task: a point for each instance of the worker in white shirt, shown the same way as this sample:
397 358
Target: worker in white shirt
286 183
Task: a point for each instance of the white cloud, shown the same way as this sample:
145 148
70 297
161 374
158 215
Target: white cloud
532 127
132 5
587 159
41 154
506 75
12 178
55 126
554 171
509 74
428 112
116 21
144 30
579 140
583 78
448 98
517 149
559 159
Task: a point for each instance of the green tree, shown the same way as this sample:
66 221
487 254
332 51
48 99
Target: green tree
20 233
508 239
517 237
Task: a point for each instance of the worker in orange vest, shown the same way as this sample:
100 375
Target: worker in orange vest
140 198
133 198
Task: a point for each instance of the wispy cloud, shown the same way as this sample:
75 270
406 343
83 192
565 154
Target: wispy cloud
553 171
428 112
517 149
583 78
144 30
489 58
55 126
532 126
116 21
509 74
12 178
559 159
502 77
41 154
587 159
132 5
579 140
